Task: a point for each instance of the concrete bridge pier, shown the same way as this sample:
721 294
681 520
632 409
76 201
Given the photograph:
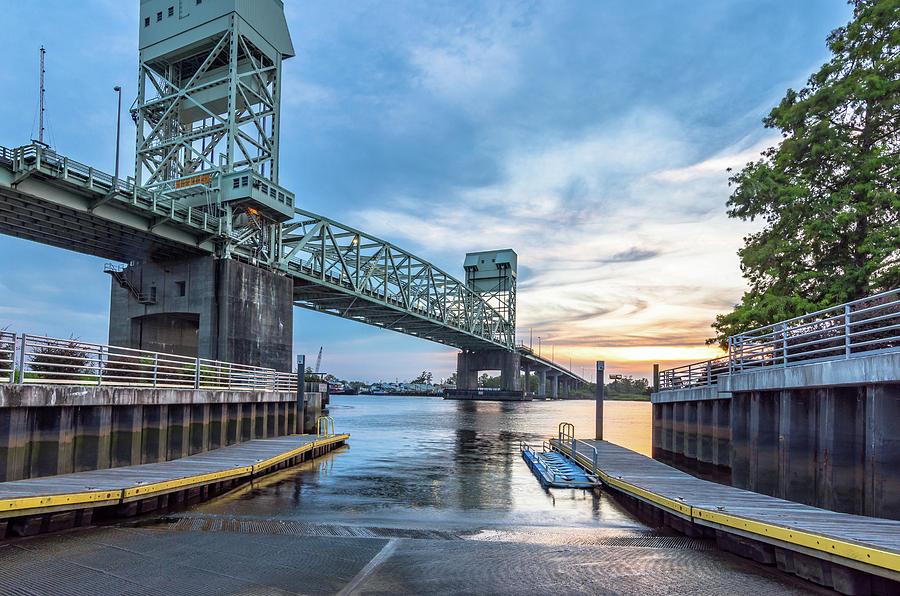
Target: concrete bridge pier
555 386
470 362
221 309
542 384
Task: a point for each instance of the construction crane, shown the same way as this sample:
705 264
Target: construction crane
319 360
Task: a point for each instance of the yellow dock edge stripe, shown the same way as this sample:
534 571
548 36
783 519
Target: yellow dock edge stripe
21 503
294 452
840 548
148 489
848 550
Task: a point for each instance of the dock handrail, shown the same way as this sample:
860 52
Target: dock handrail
325 426
38 360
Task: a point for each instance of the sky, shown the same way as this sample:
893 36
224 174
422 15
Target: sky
591 137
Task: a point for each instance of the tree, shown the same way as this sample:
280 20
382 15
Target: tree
60 359
423 379
828 193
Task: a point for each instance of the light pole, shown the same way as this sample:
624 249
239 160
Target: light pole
539 345
118 90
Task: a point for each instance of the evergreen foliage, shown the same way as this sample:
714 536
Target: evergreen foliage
827 195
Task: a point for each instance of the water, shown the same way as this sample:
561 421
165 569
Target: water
427 462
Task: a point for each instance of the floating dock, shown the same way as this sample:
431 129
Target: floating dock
556 470
853 554
52 503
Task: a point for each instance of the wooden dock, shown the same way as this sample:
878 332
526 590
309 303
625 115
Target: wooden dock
51 503
788 534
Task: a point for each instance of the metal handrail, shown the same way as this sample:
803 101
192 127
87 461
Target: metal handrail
695 374
7 356
857 328
39 360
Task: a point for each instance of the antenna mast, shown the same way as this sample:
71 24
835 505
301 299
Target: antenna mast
41 131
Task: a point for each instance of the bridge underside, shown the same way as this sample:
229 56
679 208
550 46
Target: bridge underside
26 216
312 295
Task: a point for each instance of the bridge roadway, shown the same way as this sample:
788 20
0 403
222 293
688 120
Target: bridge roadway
824 546
335 269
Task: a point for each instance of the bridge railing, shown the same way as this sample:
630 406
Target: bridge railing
848 330
40 360
696 374
49 162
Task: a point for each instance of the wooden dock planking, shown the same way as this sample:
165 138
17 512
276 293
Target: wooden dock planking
872 543
120 485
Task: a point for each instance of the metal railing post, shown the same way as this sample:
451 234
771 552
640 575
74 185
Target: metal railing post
784 343
197 373
155 367
21 364
100 366
847 331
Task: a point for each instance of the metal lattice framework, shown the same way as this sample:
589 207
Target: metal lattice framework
182 132
348 273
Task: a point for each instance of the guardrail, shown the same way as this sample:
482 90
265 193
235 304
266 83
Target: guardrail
39 360
7 356
46 160
696 374
853 329
858 328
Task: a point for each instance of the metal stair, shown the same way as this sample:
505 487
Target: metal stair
119 273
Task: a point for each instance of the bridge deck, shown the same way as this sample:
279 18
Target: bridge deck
114 486
867 543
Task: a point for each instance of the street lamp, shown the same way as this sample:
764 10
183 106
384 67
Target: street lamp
118 90
539 345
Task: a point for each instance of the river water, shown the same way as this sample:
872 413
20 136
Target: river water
429 462
429 497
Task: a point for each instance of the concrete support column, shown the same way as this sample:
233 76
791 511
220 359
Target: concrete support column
13 439
542 384
882 474
841 449
217 425
705 431
797 447
657 438
178 432
722 436
740 440
555 384
764 442
153 434
466 371
125 435
200 428
526 377
509 371
690 430
678 420
92 439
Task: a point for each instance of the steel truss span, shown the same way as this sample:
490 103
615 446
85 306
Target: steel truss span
345 272
336 269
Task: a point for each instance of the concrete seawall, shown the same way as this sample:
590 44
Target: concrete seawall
825 434
47 430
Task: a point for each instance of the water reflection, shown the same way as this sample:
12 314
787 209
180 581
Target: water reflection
426 462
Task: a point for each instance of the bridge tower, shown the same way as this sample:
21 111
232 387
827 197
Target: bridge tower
492 275
208 113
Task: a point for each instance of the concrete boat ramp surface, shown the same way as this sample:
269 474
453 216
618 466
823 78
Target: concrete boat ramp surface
223 553
852 553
